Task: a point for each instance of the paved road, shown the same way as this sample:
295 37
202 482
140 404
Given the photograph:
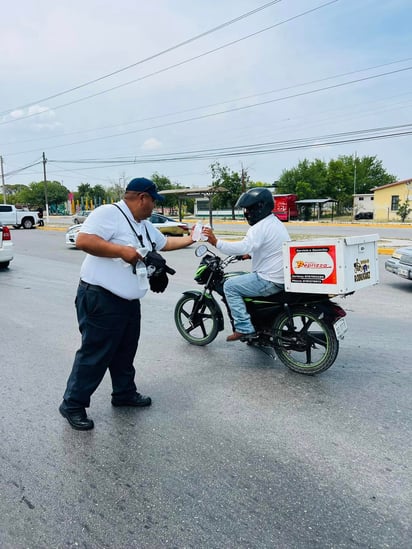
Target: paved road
236 451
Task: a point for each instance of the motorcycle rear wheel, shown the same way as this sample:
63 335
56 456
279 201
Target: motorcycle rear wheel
197 323
305 343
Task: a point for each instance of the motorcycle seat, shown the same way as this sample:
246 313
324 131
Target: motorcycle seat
289 297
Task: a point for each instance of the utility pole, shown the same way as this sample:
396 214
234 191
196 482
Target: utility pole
2 180
354 187
354 174
243 181
45 187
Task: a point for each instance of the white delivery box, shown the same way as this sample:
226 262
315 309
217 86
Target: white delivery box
331 265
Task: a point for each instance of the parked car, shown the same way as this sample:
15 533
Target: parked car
405 264
400 263
6 247
364 215
80 216
169 226
71 235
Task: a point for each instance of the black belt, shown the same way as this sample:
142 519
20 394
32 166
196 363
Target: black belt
93 287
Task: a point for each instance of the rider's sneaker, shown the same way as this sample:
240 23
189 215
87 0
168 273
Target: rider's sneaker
238 336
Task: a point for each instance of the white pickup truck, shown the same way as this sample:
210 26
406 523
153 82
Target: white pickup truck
10 215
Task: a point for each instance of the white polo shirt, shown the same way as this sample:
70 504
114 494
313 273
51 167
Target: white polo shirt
114 274
263 242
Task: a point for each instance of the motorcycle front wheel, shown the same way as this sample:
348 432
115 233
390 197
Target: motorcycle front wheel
303 342
196 320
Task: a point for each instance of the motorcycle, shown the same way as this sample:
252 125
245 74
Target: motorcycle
302 329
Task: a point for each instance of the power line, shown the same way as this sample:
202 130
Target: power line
234 109
370 134
166 115
150 58
172 66
14 172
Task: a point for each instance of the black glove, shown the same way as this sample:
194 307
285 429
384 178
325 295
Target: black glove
157 262
158 281
154 260
157 271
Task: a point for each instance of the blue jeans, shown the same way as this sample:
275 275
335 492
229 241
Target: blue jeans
246 285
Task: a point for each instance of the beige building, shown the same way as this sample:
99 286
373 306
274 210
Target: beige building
388 198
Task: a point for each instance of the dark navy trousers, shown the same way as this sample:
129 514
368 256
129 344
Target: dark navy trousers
110 330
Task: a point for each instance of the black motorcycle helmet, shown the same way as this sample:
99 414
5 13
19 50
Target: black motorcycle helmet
257 204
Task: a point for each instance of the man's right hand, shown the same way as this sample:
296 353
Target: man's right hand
130 255
207 231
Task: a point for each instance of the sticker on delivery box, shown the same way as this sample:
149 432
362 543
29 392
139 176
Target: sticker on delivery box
313 264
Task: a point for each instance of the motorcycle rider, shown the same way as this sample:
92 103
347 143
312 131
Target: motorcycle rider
263 244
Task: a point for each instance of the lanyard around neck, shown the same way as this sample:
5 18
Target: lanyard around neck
139 236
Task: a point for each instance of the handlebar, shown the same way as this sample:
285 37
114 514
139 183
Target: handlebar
203 249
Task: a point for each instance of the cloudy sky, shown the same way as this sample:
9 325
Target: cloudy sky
115 90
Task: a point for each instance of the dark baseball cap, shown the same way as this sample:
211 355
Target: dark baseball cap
143 185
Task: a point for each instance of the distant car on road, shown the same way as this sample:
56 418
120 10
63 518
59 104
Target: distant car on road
400 263
80 216
169 226
6 247
364 215
166 225
71 235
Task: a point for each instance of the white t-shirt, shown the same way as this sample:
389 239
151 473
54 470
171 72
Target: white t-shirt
114 274
263 242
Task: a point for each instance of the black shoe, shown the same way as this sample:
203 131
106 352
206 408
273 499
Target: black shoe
78 420
136 400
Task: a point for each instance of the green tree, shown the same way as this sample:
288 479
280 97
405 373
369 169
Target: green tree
350 175
222 176
338 179
34 195
254 184
173 201
163 183
313 174
370 173
12 190
340 183
98 193
84 191
404 210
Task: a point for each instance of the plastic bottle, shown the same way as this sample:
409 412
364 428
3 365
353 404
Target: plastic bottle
197 232
141 269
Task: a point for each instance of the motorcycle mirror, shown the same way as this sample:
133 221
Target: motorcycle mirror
201 250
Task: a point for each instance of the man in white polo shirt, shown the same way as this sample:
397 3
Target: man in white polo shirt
113 279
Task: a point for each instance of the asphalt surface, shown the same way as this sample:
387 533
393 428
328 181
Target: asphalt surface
235 452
